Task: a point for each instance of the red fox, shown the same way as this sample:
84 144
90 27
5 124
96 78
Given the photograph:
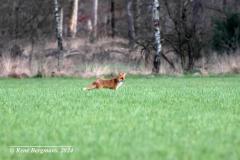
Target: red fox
114 83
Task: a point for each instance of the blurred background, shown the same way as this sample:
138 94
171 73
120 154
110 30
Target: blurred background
95 37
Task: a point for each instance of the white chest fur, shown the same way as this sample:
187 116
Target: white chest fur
119 84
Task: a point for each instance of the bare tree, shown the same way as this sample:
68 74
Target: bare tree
95 18
138 16
72 28
186 35
131 27
156 25
224 4
194 44
16 5
113 18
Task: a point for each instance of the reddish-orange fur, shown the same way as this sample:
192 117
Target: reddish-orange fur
110 84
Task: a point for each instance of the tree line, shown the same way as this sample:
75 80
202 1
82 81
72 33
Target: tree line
189 28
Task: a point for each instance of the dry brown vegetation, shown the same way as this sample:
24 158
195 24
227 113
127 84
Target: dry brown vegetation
81 58
107 56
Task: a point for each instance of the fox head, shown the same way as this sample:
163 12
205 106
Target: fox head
121 76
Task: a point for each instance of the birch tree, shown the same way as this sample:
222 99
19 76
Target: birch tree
131 27
156 26
72 28
58 27
58 14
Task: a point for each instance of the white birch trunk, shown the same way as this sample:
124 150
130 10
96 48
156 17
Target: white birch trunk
73 18
58 26
61 22
156 25
58 14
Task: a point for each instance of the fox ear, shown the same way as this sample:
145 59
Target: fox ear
122 73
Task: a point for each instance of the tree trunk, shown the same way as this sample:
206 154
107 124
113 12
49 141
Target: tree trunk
58 14
193 42
58 27
95 19
16 16
138 17
112 18
197 9
131 28
32 52
72 28
190 58
224 4
156 25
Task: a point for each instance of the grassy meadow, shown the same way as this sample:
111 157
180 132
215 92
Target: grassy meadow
148 118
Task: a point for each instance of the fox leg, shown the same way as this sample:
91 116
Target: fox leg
91 86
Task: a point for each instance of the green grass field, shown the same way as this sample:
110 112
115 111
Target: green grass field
148 118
